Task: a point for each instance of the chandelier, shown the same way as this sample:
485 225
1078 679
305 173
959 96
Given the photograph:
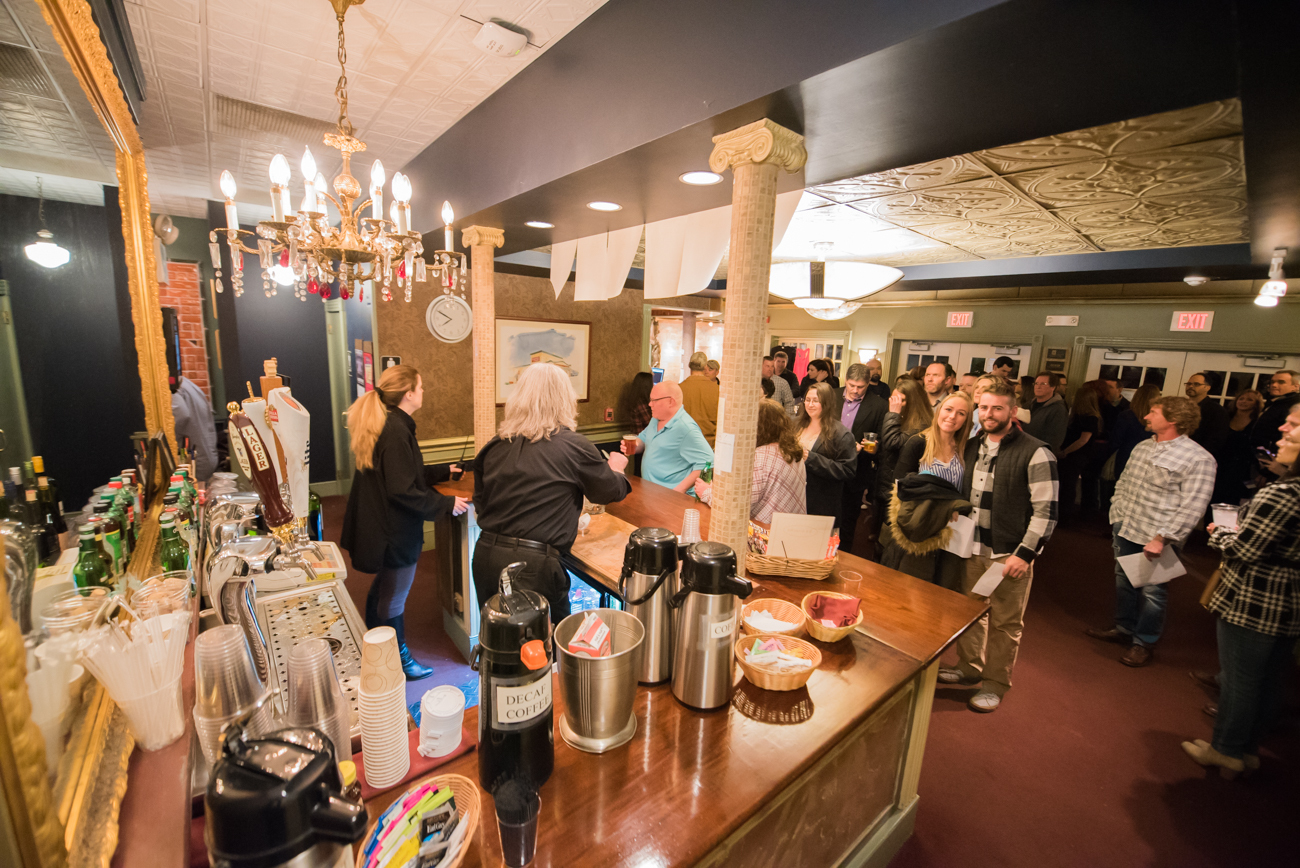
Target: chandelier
306 251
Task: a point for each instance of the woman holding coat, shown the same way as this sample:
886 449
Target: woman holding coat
391 499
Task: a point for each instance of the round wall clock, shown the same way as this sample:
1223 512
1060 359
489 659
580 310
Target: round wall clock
449 318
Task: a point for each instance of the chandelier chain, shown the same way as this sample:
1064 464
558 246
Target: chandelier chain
341 89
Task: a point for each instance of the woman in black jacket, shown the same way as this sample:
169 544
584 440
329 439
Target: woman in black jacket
832 454
391 499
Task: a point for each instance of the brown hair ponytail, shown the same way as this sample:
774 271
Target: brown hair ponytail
368 413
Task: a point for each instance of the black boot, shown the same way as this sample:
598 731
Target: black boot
413 669
372 608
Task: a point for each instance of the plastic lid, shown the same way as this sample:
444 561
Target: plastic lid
348 770
651 550
116 483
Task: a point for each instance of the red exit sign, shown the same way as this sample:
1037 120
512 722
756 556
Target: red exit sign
1192 321
961 319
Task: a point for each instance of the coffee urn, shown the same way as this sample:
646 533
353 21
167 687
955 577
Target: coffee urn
516 735
647 585
704 664
278 801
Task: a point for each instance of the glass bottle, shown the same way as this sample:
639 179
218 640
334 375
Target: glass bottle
48 492
115 510
35 521
101 544
90 569
123 500
112 530
130 484
173 553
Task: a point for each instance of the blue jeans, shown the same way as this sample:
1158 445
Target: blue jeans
1252 670
1139 612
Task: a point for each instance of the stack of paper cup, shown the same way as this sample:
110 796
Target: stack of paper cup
383 709
442 710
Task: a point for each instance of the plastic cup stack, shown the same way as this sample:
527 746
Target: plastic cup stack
316 697
690 527
382 706
226 686
442 711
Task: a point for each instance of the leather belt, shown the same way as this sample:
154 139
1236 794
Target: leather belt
511 542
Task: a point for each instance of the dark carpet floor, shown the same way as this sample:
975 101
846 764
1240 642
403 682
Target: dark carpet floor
1081 766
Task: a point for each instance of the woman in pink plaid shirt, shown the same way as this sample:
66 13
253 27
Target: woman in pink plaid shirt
779 478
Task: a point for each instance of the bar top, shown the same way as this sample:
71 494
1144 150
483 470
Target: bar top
690 778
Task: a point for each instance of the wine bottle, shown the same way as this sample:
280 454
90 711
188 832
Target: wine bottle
51 496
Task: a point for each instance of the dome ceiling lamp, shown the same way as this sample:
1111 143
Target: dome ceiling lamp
306 251
829 289
44 251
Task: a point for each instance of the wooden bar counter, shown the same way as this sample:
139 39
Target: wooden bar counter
824 775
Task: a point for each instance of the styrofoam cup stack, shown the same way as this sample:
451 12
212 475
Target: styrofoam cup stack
382 709
442 710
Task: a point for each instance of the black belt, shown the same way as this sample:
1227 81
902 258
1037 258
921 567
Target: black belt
512 542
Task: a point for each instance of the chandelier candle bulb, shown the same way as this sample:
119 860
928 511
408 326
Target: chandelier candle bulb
280 176
377 178
448 217
228 189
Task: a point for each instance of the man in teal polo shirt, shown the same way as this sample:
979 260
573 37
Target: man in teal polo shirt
675 449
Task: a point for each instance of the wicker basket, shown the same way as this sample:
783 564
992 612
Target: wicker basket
790 568
782 610
766 678
820 631
468 808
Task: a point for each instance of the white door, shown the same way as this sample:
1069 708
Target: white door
979 358
824 345
1233 373
923 353
1135 368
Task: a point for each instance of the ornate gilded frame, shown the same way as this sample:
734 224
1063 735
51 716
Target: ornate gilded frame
76 821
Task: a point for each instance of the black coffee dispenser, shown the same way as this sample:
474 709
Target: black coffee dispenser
516 735
278 800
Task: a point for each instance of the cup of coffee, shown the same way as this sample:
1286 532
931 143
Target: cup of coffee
869 442
629 444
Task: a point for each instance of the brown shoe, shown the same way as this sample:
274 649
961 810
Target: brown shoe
1137 655
1211 709
1111 635
1206 679
1206 755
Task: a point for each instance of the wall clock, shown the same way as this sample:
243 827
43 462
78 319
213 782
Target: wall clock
449 318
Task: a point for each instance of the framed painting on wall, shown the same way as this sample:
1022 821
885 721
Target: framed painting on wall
522 342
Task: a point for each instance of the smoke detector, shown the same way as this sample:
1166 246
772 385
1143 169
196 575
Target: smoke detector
494 39
1195 280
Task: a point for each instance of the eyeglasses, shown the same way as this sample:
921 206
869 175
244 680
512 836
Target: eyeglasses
1198 385
661 398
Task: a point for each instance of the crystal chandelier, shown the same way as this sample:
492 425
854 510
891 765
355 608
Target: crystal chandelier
306 251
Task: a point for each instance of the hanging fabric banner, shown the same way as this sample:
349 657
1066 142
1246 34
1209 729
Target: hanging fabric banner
562 254
593 268
621 251
707 235
663 256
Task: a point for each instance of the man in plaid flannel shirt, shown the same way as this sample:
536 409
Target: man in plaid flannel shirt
1161 495
1012 483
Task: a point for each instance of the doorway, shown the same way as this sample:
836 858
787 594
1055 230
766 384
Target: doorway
964 358
1229 373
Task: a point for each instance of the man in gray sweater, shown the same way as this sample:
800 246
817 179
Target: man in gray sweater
1048 416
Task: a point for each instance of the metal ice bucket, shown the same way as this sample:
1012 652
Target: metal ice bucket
599 693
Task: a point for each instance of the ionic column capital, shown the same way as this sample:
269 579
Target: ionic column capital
482 236
759 142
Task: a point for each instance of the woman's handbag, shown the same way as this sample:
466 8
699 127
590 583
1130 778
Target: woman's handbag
1211 586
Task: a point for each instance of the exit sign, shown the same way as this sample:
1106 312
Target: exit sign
1192 321
961 319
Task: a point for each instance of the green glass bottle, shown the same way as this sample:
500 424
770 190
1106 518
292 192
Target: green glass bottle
126 503
173 553
90 570
116 512
101 544
112 531
51 497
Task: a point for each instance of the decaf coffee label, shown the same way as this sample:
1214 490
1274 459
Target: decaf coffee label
516 704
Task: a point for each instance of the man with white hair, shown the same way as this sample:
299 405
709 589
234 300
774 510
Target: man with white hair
675 450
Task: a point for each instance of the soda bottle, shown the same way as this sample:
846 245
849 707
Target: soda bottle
116 511
112 530
90 570
173 553
101 544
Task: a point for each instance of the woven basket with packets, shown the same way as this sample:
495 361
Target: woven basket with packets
466 795
769 679
820 631
759 562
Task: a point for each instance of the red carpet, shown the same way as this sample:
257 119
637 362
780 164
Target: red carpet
1081 764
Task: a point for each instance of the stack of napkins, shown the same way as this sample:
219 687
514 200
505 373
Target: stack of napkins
834 611
769 654
764 622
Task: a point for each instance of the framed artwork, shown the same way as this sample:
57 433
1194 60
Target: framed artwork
522 342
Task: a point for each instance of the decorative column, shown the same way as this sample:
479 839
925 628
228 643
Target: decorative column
755 153
688 343
481 241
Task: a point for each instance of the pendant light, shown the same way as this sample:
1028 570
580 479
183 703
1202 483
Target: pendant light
45 251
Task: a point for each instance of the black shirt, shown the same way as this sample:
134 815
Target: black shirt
383 525
1080 424
534 491
790 378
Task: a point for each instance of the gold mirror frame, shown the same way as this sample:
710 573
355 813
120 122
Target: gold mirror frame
76 823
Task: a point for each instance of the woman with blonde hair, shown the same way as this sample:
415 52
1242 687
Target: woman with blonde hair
529 482
779 474
929 474
391 499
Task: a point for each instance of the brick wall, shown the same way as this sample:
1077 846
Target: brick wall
183 292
